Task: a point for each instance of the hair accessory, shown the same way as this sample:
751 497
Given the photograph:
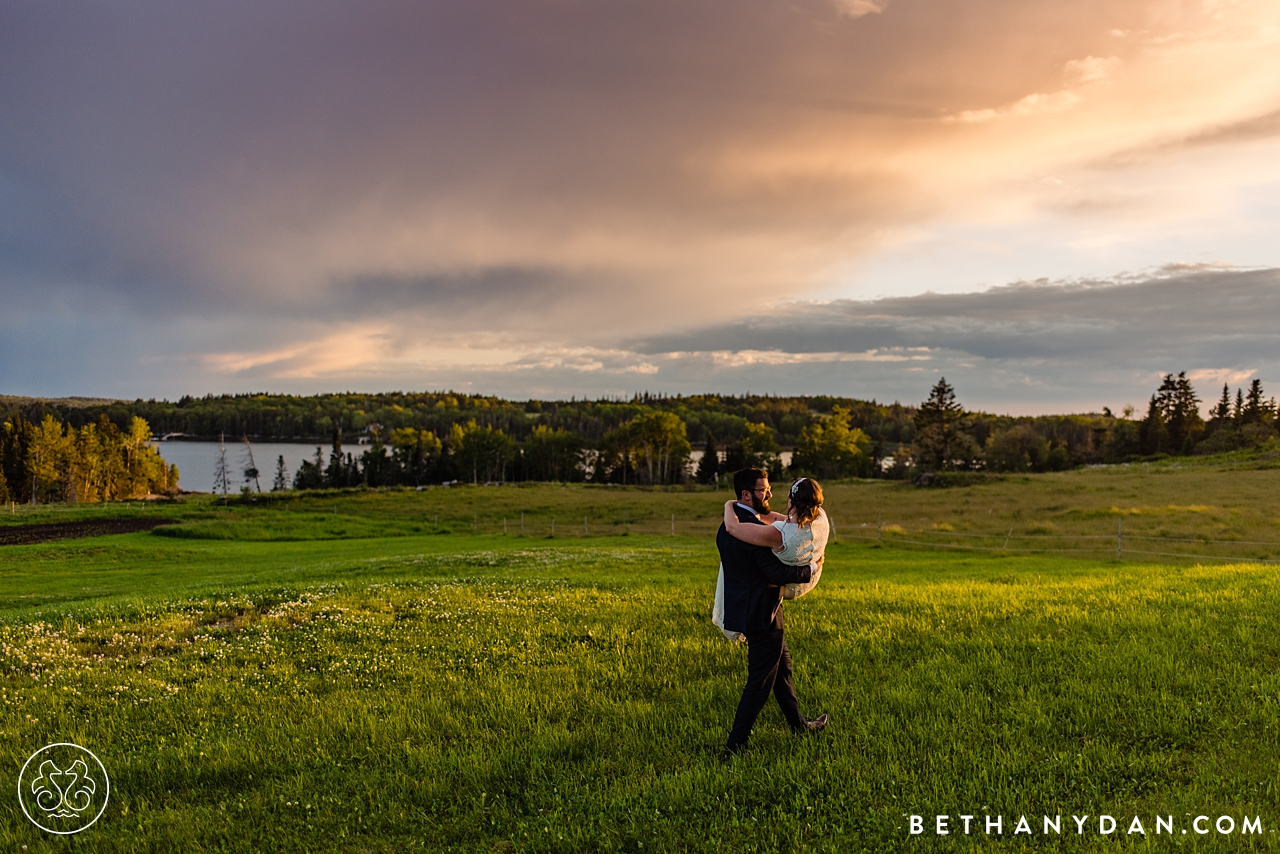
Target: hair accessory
795 485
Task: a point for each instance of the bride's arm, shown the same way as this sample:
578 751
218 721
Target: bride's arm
756 535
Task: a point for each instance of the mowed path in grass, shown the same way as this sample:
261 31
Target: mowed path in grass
485 693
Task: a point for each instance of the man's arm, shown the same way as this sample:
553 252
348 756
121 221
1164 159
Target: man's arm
778 572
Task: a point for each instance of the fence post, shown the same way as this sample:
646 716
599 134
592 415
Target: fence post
585 531
553 526
835 538
673 524
1119 538
522 524
878 515
1006 540
504 526
475 524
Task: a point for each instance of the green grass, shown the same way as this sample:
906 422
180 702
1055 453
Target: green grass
262 682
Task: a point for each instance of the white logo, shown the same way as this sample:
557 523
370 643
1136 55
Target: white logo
63 788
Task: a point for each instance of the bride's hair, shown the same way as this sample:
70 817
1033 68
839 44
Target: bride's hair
806 498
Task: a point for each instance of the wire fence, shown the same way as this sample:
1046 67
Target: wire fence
1118 544
551 526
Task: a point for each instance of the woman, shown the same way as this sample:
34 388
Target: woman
798 538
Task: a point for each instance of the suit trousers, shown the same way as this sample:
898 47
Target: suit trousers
768 671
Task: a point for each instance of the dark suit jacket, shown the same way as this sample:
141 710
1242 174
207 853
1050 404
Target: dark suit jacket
753 579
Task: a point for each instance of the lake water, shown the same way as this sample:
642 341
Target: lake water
197 462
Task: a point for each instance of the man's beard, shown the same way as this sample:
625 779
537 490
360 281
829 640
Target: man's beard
759 503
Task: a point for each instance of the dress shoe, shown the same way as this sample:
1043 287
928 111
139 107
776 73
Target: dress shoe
812 725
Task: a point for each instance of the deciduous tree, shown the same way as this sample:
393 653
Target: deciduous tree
830 448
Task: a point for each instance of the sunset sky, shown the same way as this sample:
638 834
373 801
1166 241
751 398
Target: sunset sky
1048 203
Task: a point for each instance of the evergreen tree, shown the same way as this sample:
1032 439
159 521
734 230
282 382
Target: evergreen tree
709 465
1152 437
281 482
1222 411
1180 412
310 474
735 457
378 468
1238 413
938 427
1255 408
335 475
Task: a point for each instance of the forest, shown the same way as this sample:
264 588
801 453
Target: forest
53 461
73 450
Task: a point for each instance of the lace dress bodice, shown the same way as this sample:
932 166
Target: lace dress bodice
803 545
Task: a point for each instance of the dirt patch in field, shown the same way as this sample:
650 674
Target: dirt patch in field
23 535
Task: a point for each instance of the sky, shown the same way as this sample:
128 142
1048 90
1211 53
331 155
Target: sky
1051 204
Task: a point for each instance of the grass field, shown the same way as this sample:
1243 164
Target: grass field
347 673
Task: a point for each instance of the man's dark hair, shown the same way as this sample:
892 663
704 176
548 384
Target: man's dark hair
745 481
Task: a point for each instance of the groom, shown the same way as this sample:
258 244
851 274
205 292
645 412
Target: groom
753 576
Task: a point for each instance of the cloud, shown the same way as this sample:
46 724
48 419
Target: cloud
1091 69
1027 347
1079 72
1079 341
297 193
1226 376
858 8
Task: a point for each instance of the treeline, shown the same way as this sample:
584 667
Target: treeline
266 417
418 439
97 461
948 439
651 448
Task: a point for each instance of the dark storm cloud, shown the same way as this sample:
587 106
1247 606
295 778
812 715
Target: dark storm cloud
194 156
1063 338
1208 314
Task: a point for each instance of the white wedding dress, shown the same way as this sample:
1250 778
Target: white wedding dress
802 546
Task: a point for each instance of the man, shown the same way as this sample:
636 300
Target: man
753 579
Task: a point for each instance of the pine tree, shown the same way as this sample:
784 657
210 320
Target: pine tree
336 474
310 474
937 427
709 465
1180 411
281 482
1151 432
1222 411
1238 413
1255 408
